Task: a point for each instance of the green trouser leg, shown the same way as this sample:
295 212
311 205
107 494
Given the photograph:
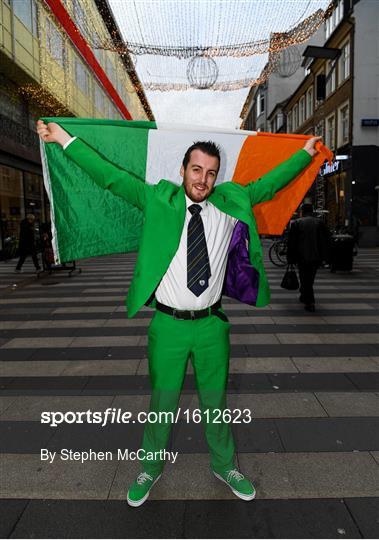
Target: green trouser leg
170 344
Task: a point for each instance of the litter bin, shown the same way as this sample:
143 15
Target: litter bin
342 251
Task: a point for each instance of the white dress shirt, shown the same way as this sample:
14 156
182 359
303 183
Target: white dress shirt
68 142
218 228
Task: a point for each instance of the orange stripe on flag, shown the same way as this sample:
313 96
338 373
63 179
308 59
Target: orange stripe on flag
262 152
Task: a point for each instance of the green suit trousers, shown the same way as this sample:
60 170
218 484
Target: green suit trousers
171 342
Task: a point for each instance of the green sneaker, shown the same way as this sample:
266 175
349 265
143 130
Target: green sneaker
241 486
140 489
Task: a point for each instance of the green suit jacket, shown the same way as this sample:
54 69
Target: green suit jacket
163 206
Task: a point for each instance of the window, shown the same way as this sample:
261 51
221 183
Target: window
113 112
82 76
319 129
331 81
26 11
301 110
309 110
344 63
289 122
80 18
336 17
330 135
295 117
279 121
54 42
260 104
96 51
343 124
111 71
99 98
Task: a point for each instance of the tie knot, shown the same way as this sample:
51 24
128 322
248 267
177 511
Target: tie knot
195 209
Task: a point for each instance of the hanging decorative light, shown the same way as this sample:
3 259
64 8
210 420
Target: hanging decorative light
289 63
202 72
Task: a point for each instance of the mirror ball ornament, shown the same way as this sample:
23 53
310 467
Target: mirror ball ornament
202 72
290 61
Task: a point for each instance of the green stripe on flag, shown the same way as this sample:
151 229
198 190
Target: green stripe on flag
88 221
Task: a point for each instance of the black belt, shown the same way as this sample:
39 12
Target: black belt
192 314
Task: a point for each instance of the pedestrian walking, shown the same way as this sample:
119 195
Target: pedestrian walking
308 247
46 246
185 285
27 243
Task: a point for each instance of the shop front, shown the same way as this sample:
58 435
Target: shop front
337 186
21 192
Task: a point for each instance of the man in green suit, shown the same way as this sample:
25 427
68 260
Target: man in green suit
187 259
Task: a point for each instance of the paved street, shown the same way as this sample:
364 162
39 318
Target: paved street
311 381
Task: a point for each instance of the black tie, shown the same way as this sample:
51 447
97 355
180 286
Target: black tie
198 268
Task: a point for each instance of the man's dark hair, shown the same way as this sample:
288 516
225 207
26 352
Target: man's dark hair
208 147
307 209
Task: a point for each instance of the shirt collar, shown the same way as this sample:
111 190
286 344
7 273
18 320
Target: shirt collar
203 204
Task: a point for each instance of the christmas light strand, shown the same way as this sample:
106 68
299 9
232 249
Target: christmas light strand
297 35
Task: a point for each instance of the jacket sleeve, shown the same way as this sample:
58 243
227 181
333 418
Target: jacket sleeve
265 187
109 176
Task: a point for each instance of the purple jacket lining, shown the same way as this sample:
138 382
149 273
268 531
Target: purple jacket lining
241 279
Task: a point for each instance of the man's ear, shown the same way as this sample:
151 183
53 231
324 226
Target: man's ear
182 171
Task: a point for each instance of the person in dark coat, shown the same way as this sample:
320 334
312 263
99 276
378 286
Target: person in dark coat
308 247
27 243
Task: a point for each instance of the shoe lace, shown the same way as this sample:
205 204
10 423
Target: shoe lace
234 473
143 477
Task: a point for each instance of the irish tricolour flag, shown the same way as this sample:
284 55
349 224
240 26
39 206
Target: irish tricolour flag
88 221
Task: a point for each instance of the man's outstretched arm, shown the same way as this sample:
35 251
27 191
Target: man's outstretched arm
106 175
265 187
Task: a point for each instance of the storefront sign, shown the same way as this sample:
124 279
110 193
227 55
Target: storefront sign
329 168
370 122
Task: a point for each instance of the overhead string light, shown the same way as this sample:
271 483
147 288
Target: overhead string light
211 44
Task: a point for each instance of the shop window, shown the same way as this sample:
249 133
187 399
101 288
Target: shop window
11 106
34 195
11 202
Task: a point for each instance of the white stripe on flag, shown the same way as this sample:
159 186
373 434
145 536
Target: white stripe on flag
166 149
47 183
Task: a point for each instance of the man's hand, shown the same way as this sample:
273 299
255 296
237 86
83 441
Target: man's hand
310 145
52 132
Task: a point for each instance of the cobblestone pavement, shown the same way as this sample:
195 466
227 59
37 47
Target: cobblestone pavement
311 381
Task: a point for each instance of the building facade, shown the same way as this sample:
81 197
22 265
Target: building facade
52 64
324 108
338 99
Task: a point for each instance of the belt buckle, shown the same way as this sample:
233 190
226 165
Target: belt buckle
174 314
179 318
